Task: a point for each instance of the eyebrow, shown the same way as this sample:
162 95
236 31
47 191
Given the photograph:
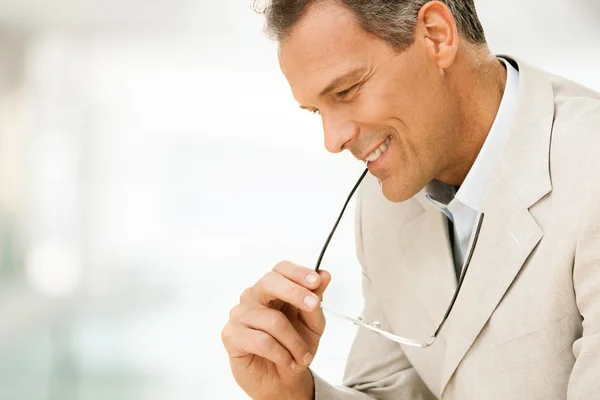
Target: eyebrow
339 80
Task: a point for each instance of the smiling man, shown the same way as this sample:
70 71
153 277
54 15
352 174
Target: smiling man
451 133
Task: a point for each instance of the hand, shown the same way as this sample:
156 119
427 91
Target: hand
273 334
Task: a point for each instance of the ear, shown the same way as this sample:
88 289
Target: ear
438 30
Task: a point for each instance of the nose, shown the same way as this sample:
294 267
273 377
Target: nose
338 132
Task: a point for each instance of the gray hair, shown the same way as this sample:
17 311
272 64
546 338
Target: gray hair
391 20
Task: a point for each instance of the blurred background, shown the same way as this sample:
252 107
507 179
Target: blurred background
153 164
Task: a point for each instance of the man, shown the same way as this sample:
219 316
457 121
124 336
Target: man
451 134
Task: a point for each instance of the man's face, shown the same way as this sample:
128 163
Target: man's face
370 96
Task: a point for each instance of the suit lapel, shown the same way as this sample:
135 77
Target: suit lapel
509 233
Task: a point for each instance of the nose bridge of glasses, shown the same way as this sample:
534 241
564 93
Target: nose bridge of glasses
375 324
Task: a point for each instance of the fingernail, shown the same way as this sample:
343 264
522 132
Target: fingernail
293 365
311 301
311 278
307 359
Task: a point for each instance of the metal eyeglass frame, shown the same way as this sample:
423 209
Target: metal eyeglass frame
375 326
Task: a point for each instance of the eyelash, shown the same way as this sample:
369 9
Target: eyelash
344 93
339 95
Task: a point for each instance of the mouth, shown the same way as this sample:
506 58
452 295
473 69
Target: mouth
378 151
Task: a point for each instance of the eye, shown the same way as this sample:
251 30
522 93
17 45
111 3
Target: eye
344 93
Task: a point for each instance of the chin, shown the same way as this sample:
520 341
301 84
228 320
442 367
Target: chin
395 192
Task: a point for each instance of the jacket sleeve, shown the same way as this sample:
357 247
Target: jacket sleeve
584 382
376 367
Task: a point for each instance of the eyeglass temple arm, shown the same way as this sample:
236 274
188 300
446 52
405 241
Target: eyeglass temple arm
461 279
339 218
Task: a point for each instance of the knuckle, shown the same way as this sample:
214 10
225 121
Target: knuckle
297 291
278 322
226 335
245 296
266 281
269 284
269 276
236 313
264 341
282 266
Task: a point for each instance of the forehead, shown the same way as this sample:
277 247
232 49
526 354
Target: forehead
325 43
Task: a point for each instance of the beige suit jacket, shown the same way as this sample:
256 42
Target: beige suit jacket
526 324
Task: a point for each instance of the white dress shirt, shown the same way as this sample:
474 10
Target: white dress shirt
462 206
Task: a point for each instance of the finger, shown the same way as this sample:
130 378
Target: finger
274 286
276 324
246 295
242 342
306 277
315 320
325 278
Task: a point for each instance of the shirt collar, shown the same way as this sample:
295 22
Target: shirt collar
472 191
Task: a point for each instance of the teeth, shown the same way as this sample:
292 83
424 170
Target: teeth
379 151
374 156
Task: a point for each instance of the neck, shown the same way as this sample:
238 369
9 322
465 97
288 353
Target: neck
479 83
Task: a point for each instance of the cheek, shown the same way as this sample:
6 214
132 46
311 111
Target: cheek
373 108
396 105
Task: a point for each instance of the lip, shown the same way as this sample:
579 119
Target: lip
364 159
373 165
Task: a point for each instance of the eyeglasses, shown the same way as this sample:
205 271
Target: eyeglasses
375 325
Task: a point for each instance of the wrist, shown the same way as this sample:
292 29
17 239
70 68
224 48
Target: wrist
303 390
308 386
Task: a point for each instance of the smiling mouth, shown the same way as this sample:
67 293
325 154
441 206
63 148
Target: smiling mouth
378 151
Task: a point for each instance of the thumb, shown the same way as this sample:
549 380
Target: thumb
315 320
325 279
